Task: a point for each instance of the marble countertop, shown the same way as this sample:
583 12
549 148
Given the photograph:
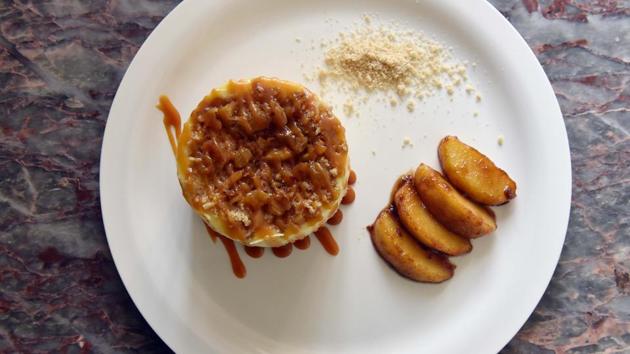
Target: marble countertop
60 65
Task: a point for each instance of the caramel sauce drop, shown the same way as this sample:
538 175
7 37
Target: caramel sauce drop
235 259
283 251
254 252
352 178
327 240
237 264
336 218
303 243
349 197
172 121
213 234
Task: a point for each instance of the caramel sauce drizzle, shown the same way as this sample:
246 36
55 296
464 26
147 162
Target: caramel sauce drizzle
237 264
327 240
235 259
172 124
254 252
213 234
336 218
283 251
303 243
352 179
172 121
349 197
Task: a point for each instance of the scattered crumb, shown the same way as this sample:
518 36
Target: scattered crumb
390 59
407 142
411 105
387 61
476 114
500 140
348 108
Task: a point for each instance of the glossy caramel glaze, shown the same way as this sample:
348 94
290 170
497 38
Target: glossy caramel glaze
402 179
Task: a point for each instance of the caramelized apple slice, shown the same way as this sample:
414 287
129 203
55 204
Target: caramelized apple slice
449 207
406 255
474 174
423 226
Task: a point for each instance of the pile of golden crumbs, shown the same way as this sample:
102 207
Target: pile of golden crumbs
402 64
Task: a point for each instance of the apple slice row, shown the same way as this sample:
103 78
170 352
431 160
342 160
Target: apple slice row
431 219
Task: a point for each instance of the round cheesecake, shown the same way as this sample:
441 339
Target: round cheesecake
263 162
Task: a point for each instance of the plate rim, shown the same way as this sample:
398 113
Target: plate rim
106 202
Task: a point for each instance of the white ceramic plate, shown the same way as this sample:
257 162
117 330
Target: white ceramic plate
312 302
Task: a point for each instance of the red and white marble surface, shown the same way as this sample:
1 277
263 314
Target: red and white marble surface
60 65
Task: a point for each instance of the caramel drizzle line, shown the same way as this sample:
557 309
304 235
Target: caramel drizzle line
352 179
235 260
237 264
172 121
336 218
254 252
303 243
349 197
213 234
283 251
327 240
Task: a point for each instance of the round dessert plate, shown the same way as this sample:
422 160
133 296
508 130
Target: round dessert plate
312 302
